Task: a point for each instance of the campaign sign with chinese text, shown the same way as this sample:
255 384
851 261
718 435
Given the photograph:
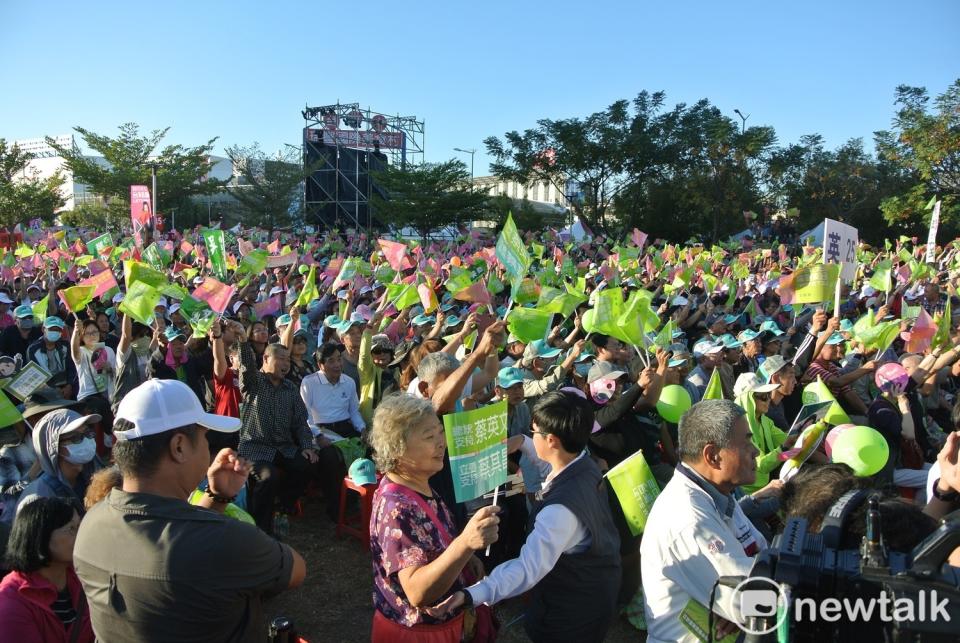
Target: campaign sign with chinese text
840 243
477 445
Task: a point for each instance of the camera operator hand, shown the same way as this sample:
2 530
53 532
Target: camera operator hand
949 464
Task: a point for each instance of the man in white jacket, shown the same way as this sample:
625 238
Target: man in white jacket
696 531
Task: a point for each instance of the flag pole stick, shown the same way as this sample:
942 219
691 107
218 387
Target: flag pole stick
836 294
496 495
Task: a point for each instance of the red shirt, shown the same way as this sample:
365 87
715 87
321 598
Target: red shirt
227 393
26 612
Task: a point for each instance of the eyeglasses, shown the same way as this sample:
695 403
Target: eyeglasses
761 397
77 438
92 333
543 433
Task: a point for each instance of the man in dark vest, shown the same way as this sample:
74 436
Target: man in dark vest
571 559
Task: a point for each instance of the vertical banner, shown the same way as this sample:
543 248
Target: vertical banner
141 212
840 246
213 239
932 237
477 444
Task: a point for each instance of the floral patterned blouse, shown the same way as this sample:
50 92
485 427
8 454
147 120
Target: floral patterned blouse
402 535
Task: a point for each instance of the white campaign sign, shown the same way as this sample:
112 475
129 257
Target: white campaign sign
932 237
840 246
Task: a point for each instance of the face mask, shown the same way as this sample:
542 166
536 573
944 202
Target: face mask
52 336
25 324
81 453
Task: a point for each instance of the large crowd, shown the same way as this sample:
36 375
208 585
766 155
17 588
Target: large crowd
149 472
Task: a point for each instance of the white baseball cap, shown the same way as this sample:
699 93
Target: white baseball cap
4 299
161 405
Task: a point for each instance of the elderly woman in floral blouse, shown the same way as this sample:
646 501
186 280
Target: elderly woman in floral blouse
418 560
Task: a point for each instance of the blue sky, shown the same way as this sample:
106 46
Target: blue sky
243 70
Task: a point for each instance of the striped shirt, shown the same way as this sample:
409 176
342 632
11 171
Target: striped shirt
63 608
273 417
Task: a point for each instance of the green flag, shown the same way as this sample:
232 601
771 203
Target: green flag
511 251
77 297
526 292
198 314
819 392
665 337
942 336
254 263
98 244
216 252
8 411
529 324
155 257
403 295
40 309
309 292
554 300
714 387
880 336
139 302
636 319
636 489
136 271
606 310
882 276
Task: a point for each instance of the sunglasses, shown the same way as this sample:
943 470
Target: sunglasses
761 397
77 438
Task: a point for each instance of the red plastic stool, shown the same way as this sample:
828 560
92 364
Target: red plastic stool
356 525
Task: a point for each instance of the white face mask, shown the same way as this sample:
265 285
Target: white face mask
81 453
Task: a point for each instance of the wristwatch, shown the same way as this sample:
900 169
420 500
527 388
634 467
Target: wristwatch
949 496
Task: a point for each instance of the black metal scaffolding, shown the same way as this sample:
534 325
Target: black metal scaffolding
347 144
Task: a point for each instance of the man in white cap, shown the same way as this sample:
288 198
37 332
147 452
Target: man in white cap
155 567
708 355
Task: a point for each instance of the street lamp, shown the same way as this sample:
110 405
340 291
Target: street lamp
471 153
743 126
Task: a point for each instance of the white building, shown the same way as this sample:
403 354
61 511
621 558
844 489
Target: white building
539 192
46 162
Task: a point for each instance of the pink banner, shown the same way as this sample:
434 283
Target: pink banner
215 293
266 307
141 212
283 260
101 282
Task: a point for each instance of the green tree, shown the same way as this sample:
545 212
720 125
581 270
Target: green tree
589 152
427 197
925 144
846 184
182 172
525 216
697 172
23 194
270 187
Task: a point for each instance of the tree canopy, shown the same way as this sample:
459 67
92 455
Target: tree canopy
24 195
127 159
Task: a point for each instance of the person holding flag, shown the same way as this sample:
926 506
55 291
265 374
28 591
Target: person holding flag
96 366
570 562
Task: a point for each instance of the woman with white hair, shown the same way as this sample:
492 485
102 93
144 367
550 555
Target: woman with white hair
417 559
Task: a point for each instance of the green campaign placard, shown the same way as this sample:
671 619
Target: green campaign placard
477 445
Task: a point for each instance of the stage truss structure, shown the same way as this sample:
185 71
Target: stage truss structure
345 144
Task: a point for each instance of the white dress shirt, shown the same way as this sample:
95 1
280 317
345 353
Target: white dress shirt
556 531
328 403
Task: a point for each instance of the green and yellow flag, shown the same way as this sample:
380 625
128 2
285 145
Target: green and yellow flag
529 324
309 291
714 387
140 301
636 488
77 297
